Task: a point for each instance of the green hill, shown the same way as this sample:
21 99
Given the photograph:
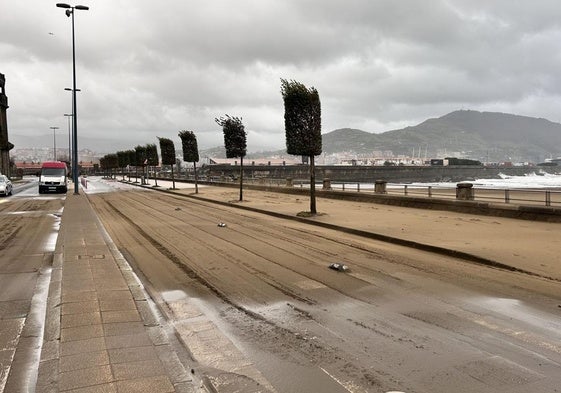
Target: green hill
484 136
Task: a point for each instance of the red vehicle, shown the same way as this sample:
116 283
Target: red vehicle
53 177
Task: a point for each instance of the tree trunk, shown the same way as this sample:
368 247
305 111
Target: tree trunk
241 179
155 177
172 178
312 185
196 180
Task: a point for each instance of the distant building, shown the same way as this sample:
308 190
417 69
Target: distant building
258 161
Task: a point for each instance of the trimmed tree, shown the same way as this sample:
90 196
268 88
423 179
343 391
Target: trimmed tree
153 159
113 160
140 160
190 151
131 160
168 155
234 141
122 157
302 122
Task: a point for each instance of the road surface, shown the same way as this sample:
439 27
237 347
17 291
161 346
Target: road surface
259 308
28 231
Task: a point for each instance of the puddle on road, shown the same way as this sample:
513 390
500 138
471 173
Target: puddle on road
174 296
516 309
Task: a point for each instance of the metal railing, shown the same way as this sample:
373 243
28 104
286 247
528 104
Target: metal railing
519 196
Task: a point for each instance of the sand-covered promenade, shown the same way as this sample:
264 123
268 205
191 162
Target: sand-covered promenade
530 246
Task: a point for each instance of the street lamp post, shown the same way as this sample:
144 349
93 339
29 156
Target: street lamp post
54 141
69 115
70 11
70 139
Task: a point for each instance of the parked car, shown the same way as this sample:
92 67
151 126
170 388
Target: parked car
5 186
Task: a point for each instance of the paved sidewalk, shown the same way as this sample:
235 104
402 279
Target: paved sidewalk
102 332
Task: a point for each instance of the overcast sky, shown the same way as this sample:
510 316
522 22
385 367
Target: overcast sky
152 68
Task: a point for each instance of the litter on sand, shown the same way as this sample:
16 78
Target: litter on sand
339 267
221 224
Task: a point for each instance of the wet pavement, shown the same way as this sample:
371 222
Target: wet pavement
102 331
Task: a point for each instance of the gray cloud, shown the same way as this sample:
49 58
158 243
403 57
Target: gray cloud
151 69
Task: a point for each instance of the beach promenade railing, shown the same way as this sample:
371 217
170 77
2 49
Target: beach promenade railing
520 196
515 196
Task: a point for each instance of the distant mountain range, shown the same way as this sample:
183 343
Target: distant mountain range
483 136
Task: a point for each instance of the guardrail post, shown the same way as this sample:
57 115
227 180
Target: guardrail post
405 190
464 191
548 198
430 191
380 186
326 184
507 196
358 187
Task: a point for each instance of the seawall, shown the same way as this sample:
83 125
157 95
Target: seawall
368 174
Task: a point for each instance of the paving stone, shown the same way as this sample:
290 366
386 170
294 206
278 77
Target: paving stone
85 377
124 355
80 307
82 346
104 388
140 369
81 332
128 341
120 316
159 384
83 360
78 296
123 328
117 305
73 320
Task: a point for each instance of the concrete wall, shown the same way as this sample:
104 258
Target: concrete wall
369 174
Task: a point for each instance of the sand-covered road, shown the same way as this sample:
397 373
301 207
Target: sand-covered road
258 307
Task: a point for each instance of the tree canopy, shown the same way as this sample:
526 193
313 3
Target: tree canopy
152 154
189 146
234 136
302 118
167 149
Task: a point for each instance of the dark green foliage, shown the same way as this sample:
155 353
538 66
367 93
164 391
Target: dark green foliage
234 136
462 161
302 123
123 158
140 158
234 141
131 157
152 154
302 118
167 149
189 146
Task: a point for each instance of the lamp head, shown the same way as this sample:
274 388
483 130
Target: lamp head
63 5
68 13
82 7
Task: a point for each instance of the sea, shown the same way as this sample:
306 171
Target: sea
536 180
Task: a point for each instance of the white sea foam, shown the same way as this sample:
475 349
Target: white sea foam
533 180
